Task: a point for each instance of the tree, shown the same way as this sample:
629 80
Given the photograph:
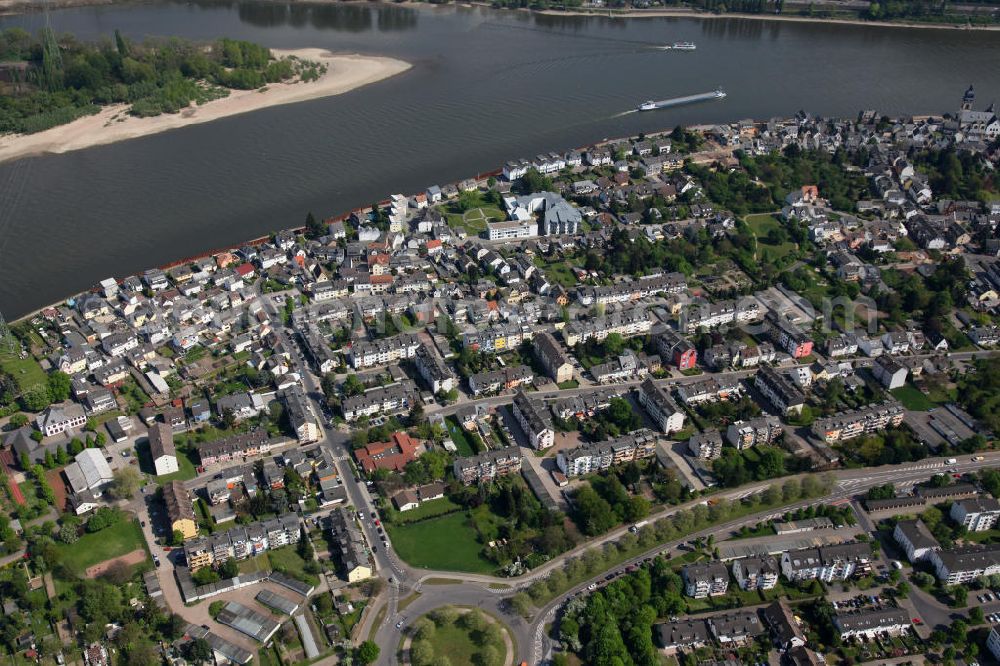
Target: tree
19 420
314 227
60 385
199 651
352 386
229 569
521 604
976 615
177 538
367 652
960 596
205 576
68 534
35 398
126 482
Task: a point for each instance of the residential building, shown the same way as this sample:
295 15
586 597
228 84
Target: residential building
784 626
627 324
235 447
869 623
961 565
162 450
370 354
433 370
556 216
787 336
180 509
597 456
660 406
497 338
737 627
706 445
380 400
977 514
914 538
855 423
704 580
552 357
780 391
826 563
623 368
993 641
504 379
758 572
393 455
300 414
350 542
59 418
488 465
889 372
533 416
753 432
677 350
682 634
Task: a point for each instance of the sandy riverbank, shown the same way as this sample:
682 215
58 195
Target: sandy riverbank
344 73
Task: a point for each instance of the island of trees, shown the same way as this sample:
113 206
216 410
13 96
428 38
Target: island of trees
48 80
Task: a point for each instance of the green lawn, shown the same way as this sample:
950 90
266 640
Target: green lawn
457 644
464 442
427 509
445 543
26 371
287 560
474 220
761 225
561 273
913 399
91 549
571 384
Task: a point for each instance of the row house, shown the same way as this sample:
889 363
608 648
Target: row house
780 391
721 313
855 423
627 324
235 447
826 563
870 623
632 290
383 352
625 367
599 456
965 564
709 390
488 465
380 400
503 379
587 404
497 338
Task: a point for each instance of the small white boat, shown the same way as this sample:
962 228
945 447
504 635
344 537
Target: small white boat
684 46
648 106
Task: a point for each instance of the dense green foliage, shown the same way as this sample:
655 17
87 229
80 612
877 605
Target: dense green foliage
58 79
979 392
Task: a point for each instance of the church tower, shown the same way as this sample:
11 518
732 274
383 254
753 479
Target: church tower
968 99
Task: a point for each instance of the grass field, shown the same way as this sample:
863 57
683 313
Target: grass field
26 371
445 543
474 220
91 549
456 644
913 399
761 225
287 560
463 441
427 509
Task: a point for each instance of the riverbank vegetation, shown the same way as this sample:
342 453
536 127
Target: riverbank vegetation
48 80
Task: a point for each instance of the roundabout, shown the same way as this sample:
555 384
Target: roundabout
457 635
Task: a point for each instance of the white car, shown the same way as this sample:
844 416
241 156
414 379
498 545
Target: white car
400 623
592 587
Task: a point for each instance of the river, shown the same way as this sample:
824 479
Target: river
486 86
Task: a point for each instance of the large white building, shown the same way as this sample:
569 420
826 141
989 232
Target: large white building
59 418
534 419
162 450
660 406
89 471
977 514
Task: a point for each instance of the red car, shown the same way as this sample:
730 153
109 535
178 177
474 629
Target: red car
916 620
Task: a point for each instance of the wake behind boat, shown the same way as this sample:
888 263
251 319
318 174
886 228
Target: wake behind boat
650 105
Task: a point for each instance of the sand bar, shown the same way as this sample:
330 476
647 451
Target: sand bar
113 123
